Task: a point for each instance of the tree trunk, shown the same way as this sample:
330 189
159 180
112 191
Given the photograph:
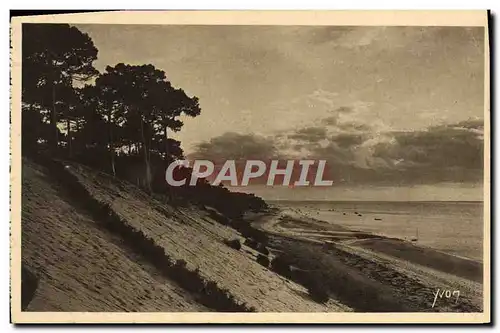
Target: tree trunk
68 131
68 125
54 138
111 146
167 152
167 159
146 158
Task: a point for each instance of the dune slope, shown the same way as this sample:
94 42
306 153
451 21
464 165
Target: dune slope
85 267
80 266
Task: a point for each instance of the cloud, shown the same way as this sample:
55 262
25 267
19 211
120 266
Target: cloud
355 153
348 140
235 146
354 126
309 134
448 153
449 148
399 37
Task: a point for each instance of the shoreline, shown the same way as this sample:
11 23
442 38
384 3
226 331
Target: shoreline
281 222
302 212
373 265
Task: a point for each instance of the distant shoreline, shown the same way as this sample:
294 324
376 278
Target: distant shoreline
398 218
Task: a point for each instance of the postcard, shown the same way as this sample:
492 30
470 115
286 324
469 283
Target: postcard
250 167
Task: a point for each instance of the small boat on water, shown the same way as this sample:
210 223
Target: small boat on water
414 239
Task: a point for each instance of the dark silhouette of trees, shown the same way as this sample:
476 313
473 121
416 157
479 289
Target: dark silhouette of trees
140 105
127 110
54 56
118 121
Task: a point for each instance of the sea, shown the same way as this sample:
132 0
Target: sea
453 227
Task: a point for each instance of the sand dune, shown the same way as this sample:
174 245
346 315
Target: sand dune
82 267
185 233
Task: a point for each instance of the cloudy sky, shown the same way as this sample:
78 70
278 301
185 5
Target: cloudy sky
385 106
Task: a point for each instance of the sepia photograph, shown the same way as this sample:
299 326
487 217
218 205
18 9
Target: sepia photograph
250 167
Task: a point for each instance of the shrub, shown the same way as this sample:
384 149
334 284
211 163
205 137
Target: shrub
243 227
263 260
252 243
211 287
246 229
281 266
234 244
219 218
318 293
259 235
263 249
180 263
315 283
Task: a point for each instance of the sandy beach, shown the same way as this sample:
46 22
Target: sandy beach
408 274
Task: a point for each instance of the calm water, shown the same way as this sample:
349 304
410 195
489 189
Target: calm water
453 227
